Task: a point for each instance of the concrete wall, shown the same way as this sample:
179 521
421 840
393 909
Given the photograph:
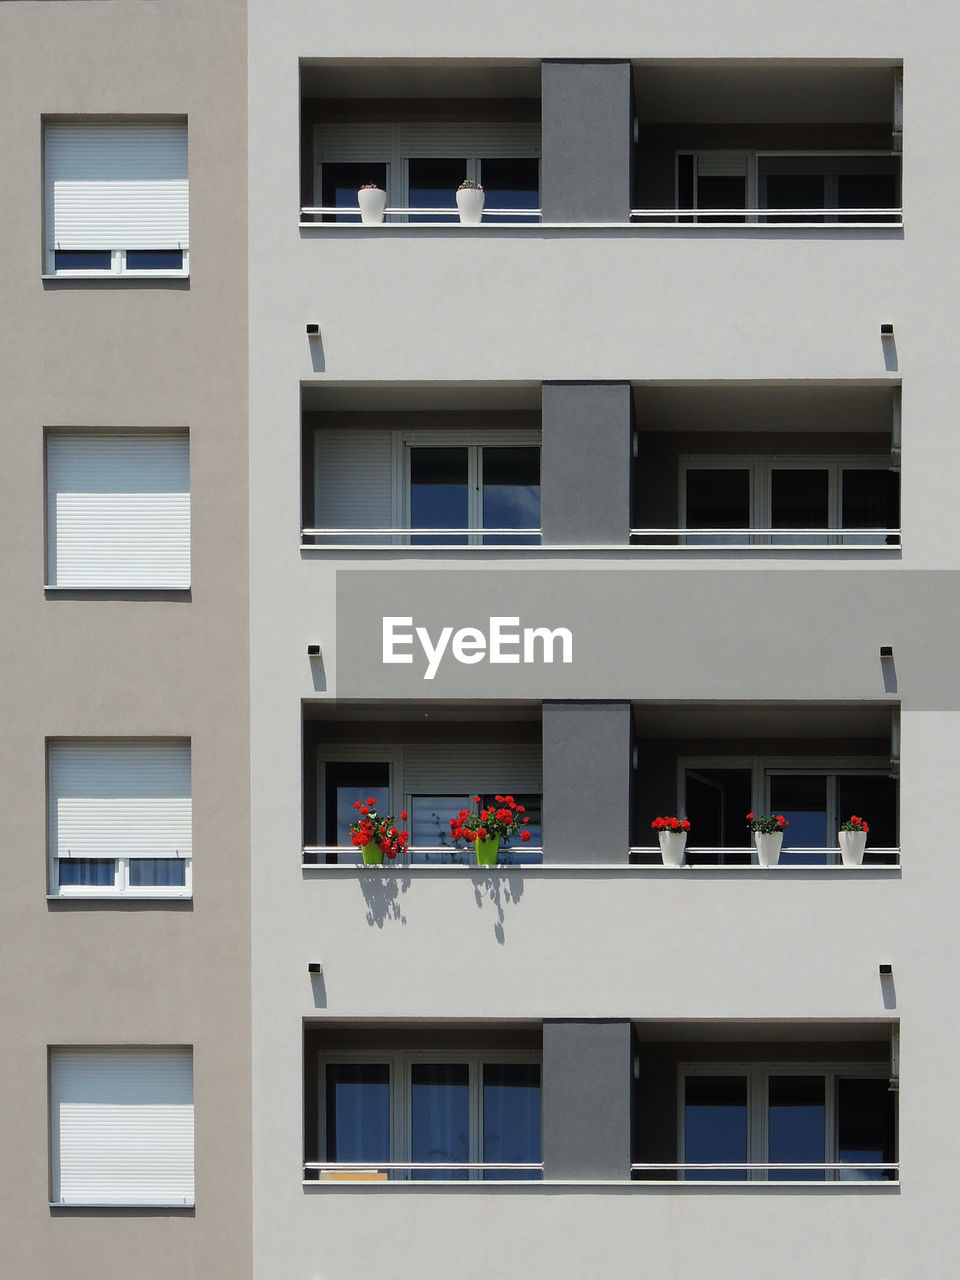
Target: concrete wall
127 354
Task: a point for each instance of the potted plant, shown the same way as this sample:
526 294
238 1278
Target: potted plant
853 838
672 833
372 201
470 199
768 836
375 835
488 828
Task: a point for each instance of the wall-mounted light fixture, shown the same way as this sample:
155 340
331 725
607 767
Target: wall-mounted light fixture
886 970
314 967
313 651
886 331
313 330
886 651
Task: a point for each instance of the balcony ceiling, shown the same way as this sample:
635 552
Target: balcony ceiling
761 92
400 397
770 1030
817 721
419 78
764 407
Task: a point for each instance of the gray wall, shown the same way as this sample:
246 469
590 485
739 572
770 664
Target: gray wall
586 781
585 463
587 1089
587 141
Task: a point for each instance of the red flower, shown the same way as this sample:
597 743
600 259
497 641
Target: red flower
482 833
864 827
504 815
372 800
685 825
403 815
499 799
751 816
520 809
525 836
782 820
510 801
358 804
476 799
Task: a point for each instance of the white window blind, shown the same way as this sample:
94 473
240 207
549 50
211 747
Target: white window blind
116 185
118 510
507 768
722 164
354 479
128 799
122 1127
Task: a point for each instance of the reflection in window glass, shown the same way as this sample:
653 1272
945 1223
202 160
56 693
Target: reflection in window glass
796 1126
440 1117
511 184
152 872
715 1125
511 1117
433 185
82 259
802 799
429 826
358 1112
87 871
865 1126
439 492
511 492
341 182
346 783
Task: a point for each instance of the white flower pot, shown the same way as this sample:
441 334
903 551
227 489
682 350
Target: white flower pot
672 846
372 202
852 844
768 848
470 205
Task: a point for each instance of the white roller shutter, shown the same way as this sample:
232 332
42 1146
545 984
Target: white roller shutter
122 1127
116 185
128 799
722 164
507 768
349 143
118 510
500 140
354 479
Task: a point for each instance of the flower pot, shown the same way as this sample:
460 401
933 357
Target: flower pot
768 848
487 851
470 205
672 846
372 855
372 202
851 847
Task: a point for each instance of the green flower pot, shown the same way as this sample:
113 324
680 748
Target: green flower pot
372 855
487 851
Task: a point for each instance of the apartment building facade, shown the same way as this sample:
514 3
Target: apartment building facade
632 499
126 905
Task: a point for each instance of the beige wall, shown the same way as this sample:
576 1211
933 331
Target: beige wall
157 354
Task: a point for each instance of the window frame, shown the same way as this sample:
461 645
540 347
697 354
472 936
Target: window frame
758 1073
118 253
760 468
400 1063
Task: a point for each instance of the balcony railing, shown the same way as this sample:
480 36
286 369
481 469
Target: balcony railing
421 855
775 219
429 539
419 1170
766 539
744 858
337 216
753 1172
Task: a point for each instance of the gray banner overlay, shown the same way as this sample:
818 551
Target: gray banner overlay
753 635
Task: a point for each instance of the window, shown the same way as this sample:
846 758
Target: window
118 510
779 1113
813 796
421 165
116 198
422 1109
806 494
120 818
432 784
728 180
121 1127
448 480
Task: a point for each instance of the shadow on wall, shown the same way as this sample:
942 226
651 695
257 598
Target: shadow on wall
498 891
382 895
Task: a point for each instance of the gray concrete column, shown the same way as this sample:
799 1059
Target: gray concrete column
587 129
587 1098
586 462
587 781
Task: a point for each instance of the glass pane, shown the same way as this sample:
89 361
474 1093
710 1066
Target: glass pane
430 826
347 782
716 801
358 1112
511 184
340 184
719 192
511 493
149 872
154 260
82 259
865 1127
715 1125
874 799
440 1117
439 495
797 1126
718 499
870 499
685 182
802 799
795 191
511 1117
867 191
87 871
433 185
799 499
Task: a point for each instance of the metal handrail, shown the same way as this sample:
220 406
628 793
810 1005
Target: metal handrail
831 217
761 1166
710 850
362 1166
421 533
416 211
321 850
